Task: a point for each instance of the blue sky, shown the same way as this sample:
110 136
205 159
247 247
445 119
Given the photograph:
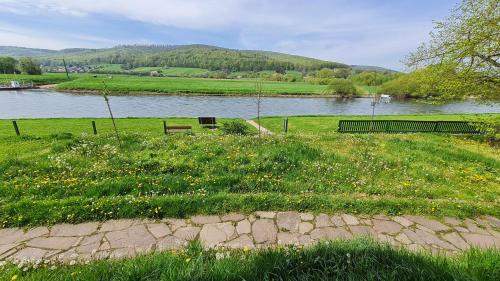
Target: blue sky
371 32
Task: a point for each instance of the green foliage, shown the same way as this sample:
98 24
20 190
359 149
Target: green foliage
360 259
235 127
462 56
49 176
439 82
325 73
342 87
371 78
7 65
342 73
191 56
29 66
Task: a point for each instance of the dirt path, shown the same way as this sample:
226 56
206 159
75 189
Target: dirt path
263 130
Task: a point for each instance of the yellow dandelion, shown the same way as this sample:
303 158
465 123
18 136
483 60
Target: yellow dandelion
14 277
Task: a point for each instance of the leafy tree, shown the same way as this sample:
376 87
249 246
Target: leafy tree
342 87
325 73
29 66
7 65
342 73
464 51
371 78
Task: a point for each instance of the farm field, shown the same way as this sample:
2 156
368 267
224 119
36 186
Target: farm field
49 176
178 81
131 84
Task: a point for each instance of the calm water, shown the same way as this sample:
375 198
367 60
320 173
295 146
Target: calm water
48 103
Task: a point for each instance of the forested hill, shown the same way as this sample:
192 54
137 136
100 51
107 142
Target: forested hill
200 56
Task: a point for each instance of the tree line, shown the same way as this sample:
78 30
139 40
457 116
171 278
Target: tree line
211 58
27 65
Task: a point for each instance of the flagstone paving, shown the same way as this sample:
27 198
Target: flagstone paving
128 237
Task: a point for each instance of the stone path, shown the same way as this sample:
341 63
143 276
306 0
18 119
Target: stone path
263 130
126 238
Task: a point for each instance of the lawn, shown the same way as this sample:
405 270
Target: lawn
354 260
126 84
47 176
184 71
328 124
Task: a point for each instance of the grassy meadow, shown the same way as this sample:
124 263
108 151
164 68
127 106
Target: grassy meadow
127 84
354 260
54 173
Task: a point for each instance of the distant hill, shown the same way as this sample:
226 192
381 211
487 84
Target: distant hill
372 68
17 52
194 56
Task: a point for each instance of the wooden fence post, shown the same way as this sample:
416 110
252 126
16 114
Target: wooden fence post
285 125
165 127
94 128
16 128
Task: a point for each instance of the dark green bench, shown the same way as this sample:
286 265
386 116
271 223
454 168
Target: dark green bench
408 126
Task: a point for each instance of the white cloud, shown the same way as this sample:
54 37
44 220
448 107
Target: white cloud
347 31
16 36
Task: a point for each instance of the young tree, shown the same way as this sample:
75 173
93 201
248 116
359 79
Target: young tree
464 51
29 66
342 87
7 65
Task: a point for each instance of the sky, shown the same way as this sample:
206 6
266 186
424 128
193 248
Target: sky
367 32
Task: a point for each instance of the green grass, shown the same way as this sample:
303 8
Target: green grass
126 84
328 124
46 78
78 126
367 90
354 260
109 67
184 71
49 176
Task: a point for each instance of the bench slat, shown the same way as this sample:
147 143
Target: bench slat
407 126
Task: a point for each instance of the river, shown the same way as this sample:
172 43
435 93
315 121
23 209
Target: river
50 104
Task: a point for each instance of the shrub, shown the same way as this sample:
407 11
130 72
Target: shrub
235 128
342 87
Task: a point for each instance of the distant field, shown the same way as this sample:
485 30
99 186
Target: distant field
125 84
328 124
109 67
184 71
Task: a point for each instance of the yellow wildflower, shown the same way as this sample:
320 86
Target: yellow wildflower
14 277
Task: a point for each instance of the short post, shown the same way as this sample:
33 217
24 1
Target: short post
16 128
165 127
94 128
285 125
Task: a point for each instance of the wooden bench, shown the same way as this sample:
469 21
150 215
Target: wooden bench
173 129
208 122
408 126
